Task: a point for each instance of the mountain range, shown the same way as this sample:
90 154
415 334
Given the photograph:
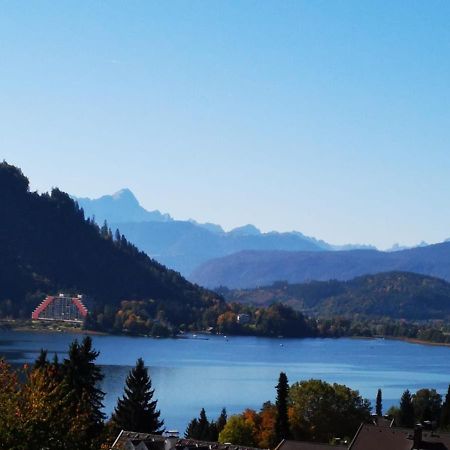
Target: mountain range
249 269
185 245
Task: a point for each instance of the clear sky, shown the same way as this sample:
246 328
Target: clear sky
327 117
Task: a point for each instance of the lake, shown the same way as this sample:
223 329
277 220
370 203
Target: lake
241 372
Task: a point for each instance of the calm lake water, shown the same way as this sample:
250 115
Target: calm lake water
241 372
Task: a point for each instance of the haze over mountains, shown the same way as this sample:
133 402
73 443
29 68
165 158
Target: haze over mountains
184 245
245 257
249 269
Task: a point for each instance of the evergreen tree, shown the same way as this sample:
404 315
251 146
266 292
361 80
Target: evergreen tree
203 425
84 399
192 429
202 429
41 360
379 404
222 420
136 410
406 412
282 421
445 412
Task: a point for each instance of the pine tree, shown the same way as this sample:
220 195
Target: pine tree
282 421
84 399
445 412
406 412
379 404
192 430
202 429
203 425
222 420
136 411
199 429
41 360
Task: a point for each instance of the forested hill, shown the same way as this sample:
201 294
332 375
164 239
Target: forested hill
46 245
394 294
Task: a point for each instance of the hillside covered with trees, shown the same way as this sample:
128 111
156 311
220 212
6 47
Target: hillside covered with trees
397 295
46 245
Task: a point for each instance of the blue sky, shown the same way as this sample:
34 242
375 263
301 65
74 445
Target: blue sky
328 117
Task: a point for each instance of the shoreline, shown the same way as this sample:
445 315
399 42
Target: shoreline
63 328
47 327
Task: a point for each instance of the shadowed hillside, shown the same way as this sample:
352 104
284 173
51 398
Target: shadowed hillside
46 245
393 294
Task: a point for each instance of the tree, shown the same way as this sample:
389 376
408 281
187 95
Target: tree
282 421
9 406
266 436
379 404
192 429
406 411
445 412
222 420
393 413
41 360
83 399
136 410
202 429
238 431
320 411
426 405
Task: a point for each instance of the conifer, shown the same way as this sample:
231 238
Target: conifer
445 412
406 412
136 410
282 421
222 420
379 404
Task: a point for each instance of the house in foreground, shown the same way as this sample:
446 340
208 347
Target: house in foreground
129 440
303 445
370 436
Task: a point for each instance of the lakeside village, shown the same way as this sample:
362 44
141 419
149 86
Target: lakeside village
308 415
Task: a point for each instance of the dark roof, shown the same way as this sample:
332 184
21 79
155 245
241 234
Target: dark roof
370 437
152 441
383 421
157 442
302 445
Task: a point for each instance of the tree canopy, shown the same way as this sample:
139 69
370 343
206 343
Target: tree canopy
320 411
137 410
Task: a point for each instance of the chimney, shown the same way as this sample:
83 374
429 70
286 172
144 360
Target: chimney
417 439
171 438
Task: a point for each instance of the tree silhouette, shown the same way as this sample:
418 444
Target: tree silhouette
136 410
282 422
406 411
379 404
445 411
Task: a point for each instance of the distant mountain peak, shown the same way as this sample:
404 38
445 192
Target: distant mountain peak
124 194
246 230
120 207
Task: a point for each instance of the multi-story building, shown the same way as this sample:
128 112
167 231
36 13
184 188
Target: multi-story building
61 307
